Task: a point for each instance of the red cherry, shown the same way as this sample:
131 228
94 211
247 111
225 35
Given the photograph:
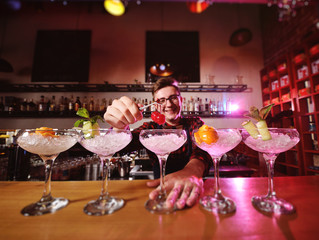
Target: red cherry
154 116
158 117
161 119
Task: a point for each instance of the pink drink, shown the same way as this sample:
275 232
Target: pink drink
163 144
227 140
280 142
108 144
46 145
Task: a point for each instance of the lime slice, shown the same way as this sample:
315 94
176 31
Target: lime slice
263 130
87 126
251 128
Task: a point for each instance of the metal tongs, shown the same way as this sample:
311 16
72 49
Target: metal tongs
146 106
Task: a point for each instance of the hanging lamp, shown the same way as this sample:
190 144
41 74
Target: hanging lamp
114 7
198 6
162 70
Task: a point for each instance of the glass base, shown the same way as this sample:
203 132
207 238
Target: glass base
103 206
273 205
212 204
158 206
40 208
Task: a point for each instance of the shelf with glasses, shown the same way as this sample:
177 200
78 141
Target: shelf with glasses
298 70
184 87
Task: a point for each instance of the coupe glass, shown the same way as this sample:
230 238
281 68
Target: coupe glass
104 142
227 140
48 147
282 139
162 142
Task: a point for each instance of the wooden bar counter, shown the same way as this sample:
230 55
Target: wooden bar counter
135 222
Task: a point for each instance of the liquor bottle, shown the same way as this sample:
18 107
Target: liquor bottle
206 106
103 105
71 104
85 103
212 106
41 105
153 107
11 107
24 105
191 106
52 106
31 107
201 106
184 106
91 104
146 102
61 104
197 106
77 104
97 105
215 107
220 107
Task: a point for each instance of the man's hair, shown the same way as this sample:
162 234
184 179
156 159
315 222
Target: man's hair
165 82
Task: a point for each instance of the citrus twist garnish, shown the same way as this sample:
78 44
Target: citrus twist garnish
45 131
261 125
206 134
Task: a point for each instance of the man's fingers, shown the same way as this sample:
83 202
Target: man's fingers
174 195
193 197
133 111
122 112
184 196
153 183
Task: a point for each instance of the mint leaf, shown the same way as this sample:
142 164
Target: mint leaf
95 118
79 122
265 111
82 112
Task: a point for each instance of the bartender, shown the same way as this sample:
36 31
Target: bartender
188 164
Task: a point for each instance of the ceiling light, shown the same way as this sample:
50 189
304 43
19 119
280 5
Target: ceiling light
114 7
198 6
162 70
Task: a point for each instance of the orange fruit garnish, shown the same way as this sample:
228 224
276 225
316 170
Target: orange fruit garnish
206 134
45 131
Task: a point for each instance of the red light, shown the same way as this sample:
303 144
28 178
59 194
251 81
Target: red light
197 7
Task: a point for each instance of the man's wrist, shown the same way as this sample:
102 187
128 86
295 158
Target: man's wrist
196 167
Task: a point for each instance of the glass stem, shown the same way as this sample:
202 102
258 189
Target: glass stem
217 192
46 196
270 162
162 163
105 166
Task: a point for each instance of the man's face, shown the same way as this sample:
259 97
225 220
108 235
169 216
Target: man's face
171 103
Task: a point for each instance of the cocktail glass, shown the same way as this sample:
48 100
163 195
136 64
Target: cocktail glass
227 140
48 147
104 142
162 142
282 139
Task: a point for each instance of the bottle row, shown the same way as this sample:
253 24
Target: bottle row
70 104
45 104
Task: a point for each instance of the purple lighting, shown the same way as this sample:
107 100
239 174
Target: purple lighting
234 107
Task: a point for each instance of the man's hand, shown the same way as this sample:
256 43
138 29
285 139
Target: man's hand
183 189
122 112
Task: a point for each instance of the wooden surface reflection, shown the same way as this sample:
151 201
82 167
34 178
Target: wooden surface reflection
134 222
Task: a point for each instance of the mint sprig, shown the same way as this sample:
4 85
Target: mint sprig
84 113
